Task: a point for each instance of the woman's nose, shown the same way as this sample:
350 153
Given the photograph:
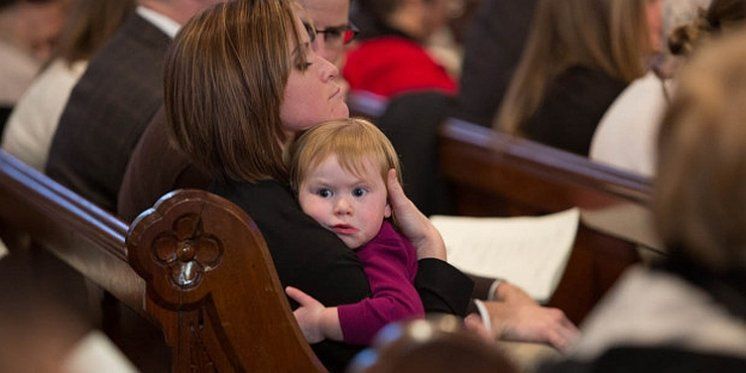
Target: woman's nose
329 71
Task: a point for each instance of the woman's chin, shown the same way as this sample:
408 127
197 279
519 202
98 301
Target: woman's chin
342 111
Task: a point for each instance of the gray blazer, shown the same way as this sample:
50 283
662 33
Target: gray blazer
107 112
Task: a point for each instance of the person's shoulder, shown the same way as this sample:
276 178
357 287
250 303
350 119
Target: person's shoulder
390 41
589 90
390 45
626 134
260 193
273 206
56 82
585 76
390 241
135 40
139 28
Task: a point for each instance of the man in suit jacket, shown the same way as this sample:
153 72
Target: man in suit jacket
114 100
493 46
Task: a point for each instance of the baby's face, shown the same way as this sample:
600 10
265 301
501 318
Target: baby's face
352 206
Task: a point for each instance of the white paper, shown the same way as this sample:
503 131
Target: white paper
531 252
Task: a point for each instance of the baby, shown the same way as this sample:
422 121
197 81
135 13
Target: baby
338 170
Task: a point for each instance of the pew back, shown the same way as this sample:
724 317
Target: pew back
493 174
195 265
46 215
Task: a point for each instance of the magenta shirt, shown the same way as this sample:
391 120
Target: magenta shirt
390 263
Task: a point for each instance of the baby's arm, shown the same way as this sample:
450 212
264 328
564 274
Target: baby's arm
316 321
390 268
390 265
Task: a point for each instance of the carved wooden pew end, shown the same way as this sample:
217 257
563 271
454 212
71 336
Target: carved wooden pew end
195 265
212 286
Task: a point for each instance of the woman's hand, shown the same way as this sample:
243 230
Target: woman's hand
413 224
532 323
517 317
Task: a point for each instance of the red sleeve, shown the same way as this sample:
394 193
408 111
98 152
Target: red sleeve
392 65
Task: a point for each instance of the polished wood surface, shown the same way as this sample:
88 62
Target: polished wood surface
202 271
493 174
85 237
213 287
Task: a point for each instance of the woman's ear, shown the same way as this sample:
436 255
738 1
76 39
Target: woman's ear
387 210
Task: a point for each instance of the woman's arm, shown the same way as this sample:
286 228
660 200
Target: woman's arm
515 316
442 287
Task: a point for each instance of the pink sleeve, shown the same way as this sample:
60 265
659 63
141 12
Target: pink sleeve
390 265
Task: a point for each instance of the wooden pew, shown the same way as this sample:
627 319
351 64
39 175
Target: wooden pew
493 174
195 266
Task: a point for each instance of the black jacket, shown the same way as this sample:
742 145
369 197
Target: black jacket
313 259
573 105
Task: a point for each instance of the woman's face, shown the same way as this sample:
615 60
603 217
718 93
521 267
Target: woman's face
654 17
312 93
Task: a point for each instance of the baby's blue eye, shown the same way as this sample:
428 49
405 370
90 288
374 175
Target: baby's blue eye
359 192
324 192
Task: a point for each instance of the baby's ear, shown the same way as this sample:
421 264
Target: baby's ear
387 210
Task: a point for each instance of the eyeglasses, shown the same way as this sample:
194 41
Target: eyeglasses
345 34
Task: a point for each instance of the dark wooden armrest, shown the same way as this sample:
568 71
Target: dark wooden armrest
212 286
195 265
495 174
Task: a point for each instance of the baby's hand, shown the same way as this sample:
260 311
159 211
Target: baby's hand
308 314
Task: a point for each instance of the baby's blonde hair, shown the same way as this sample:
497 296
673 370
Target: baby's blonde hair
352 140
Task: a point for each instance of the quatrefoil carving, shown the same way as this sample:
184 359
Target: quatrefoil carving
188 252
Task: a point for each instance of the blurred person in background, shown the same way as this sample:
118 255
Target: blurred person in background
34 119
29 30
331 20
580 56
114 100
171 170
626 136
688 313
390 59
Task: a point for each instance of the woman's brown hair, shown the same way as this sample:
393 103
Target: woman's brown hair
700 200
607 35
89 26
225 77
